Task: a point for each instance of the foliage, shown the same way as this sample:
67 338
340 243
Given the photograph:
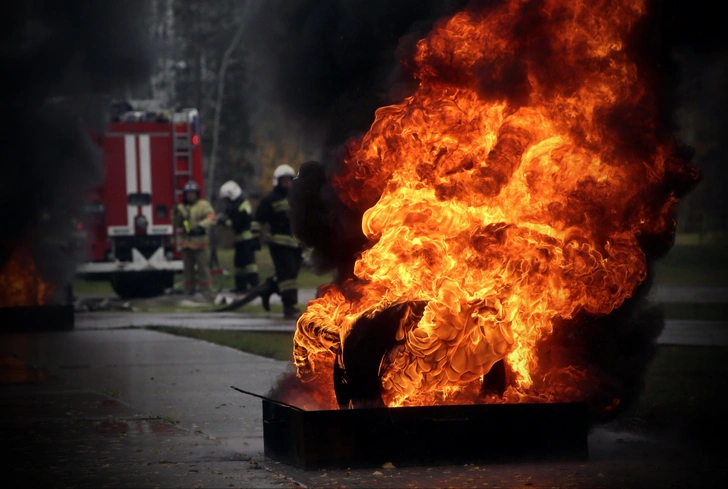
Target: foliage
255 135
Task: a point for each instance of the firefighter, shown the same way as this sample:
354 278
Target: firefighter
239 215
284 248
195 216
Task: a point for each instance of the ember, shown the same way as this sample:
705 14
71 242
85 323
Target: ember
523 185
26 298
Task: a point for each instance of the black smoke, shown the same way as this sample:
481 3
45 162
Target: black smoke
684 46
331 65
330 72
62 64
336 62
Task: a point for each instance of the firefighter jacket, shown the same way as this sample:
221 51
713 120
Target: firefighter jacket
188 217
273 210
240 218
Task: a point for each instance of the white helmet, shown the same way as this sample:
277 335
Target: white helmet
230 190
283 171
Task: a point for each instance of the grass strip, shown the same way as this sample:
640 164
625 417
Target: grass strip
276 345
696 311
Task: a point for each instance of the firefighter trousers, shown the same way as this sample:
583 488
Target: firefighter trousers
196 264
246 270
287 262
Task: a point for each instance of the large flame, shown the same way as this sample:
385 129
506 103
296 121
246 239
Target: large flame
508 193
20 283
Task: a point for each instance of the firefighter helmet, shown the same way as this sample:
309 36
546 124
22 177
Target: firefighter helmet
283 171
230 190
191 186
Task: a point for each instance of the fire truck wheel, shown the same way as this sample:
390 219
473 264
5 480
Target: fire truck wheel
131 285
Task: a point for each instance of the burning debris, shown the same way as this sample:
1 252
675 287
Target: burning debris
510 207
20 282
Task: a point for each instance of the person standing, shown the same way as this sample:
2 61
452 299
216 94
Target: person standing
285 250
195 216
239 216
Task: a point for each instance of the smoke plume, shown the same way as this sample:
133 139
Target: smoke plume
328 77
331 65
63 62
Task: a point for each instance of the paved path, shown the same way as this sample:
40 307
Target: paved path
659 293
676 332
703 295
695 333
202 320
166 375
95 426
98 422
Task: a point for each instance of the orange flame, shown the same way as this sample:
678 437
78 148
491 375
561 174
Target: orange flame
20 284
503 194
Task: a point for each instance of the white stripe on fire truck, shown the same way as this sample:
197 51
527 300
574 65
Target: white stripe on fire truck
130 164
145 166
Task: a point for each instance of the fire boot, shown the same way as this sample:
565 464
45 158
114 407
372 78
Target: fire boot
271 287
252 280
290 299
241 285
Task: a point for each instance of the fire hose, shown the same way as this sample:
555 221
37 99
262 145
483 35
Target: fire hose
264 291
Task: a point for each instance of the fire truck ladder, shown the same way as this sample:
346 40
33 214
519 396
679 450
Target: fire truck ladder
182 155
182 151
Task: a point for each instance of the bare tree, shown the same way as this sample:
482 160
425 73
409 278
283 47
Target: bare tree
249 10
162 79
218 106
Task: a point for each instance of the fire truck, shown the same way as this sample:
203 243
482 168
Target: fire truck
148 156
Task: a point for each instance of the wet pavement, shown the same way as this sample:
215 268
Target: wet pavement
695 333
161 375
698 295
134 408
617 460
676 332
658 293
131 407
63 436
202 320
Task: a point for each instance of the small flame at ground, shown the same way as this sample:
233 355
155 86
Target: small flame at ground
509 193
20 283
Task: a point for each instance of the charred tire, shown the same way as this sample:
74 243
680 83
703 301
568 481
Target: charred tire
131 285
359 384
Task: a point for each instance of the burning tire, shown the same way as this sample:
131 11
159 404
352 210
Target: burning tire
524 204
130 285
366 352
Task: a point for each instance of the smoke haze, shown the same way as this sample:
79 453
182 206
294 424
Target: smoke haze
333 65
63 61
328 77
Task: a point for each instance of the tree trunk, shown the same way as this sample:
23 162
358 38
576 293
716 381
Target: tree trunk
218 107
162 80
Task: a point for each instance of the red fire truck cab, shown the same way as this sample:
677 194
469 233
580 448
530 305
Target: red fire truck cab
148 156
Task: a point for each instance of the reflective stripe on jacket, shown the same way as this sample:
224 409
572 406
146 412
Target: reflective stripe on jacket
240 218
255 229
